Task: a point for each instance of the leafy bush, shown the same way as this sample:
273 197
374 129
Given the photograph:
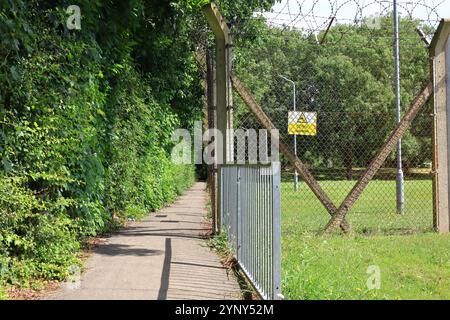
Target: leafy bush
86 118
33 244
85 126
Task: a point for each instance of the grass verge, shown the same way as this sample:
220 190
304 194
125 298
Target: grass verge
374 212
411 267
414 263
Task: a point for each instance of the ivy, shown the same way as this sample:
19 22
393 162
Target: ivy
85 125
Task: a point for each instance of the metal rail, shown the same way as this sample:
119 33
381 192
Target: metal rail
251 215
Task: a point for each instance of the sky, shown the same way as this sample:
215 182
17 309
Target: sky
315 14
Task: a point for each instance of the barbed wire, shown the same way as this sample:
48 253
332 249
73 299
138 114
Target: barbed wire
315 15
314 18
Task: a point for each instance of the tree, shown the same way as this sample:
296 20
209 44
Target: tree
348 80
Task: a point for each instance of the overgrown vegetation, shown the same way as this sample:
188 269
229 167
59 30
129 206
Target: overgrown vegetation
85 124
347 80
221 245
86 118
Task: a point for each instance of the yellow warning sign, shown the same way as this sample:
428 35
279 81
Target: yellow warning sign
302 118
302 123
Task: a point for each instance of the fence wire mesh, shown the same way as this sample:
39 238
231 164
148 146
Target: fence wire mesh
343 71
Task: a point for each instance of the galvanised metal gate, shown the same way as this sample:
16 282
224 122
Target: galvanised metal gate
251 216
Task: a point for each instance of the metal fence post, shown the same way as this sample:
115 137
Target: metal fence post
294 103
400 192
276 189
220 200
237 218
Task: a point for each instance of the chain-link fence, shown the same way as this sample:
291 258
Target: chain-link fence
341 73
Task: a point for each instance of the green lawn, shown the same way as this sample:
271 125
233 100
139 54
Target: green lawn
415 266
375 211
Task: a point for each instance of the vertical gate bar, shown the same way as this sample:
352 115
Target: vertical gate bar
265 229
221 202
249 218
264 233
238 215
258 227
268 229
241 222
253 223
230 204
269 223
225 174
261 231
266 269
272 228
258 169
224 192
235 207
270 238
276 231
243 215
231 182
228 201
255 227
246 218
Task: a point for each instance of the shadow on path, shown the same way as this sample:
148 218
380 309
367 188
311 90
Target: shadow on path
165 275
126 250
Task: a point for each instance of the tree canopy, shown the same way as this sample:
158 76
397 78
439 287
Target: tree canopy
348 80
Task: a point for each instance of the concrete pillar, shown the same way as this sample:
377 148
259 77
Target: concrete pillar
223 95
224 98
440 56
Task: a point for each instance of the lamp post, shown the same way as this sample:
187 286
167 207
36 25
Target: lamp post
400 178
295 136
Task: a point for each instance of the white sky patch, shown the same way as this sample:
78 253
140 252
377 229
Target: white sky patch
315 15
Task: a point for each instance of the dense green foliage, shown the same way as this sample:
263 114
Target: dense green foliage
348 80
86 118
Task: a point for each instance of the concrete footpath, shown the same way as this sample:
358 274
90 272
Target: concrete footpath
162 257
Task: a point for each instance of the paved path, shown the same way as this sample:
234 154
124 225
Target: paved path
161 257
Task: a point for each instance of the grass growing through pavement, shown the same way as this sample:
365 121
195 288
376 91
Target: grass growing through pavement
415 266
221 245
